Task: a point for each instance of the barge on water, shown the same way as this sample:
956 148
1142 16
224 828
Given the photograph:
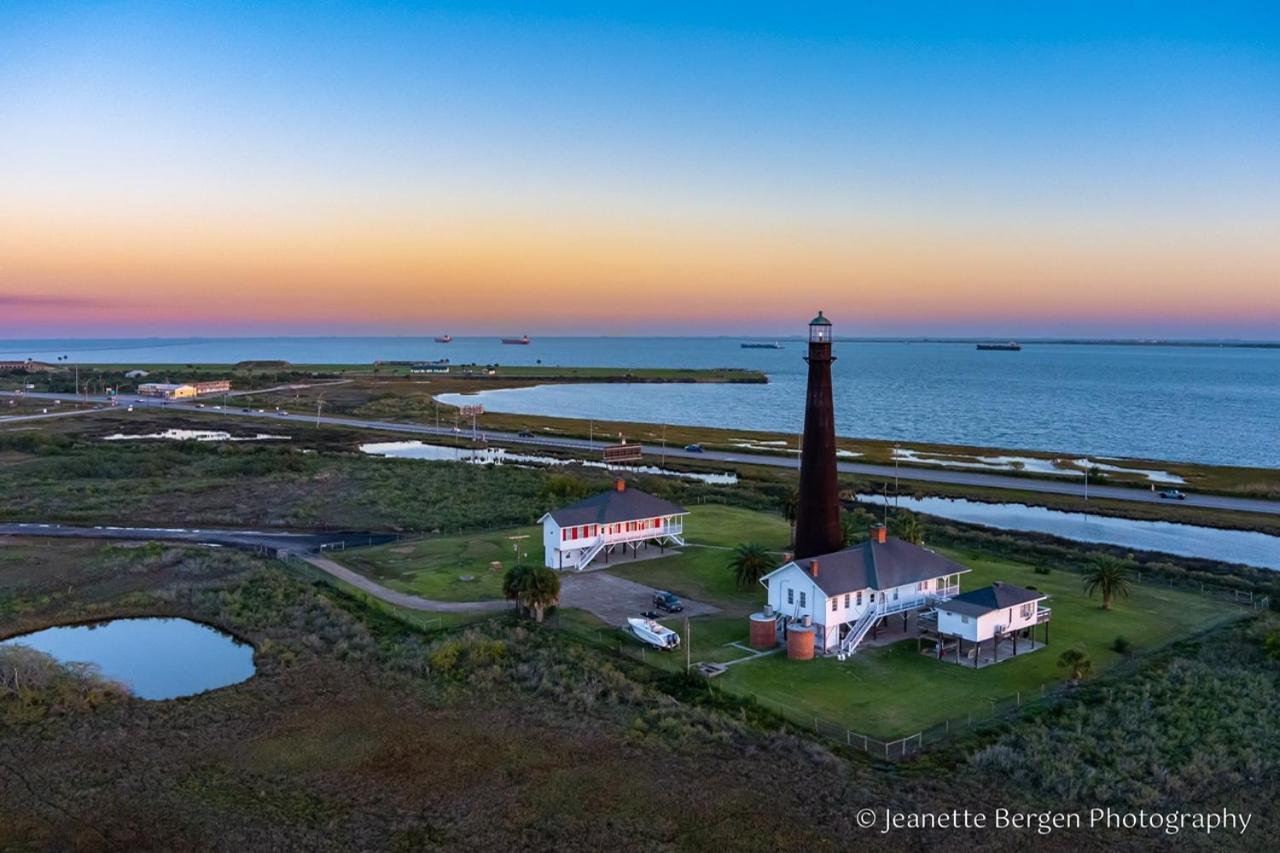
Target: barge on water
1011 346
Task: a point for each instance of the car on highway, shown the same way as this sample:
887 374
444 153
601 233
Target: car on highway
524 433
667 601
693 448
1173 495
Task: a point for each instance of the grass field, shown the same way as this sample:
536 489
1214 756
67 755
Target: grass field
701 570
434 568
896 691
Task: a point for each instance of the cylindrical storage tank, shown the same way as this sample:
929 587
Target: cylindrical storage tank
800 642
764 631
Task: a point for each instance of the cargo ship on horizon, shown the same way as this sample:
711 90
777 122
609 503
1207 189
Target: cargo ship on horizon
444 339
1011 346
523 340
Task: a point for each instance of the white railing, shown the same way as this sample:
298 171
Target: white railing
590 553
1043 614
849 644
880 609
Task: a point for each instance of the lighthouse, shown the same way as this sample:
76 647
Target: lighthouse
818 509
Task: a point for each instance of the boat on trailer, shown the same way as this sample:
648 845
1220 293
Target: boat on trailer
655 634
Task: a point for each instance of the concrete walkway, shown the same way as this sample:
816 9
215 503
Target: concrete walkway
613 599
401 599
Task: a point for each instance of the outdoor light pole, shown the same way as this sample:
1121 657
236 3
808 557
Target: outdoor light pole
896 447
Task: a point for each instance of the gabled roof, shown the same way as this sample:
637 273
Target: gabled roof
613 506
875 565
998 596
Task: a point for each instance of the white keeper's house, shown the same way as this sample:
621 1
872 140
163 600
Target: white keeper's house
846 593
620 519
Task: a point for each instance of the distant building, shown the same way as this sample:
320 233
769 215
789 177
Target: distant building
137 374
183 390
28 366
620 518
167 390
429 368
215 386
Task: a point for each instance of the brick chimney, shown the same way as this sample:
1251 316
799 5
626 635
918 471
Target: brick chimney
620 485
813 568
879 533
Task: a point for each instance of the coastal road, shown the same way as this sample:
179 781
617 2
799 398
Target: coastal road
41 416
886 472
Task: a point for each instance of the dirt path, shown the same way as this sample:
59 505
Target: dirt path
401 599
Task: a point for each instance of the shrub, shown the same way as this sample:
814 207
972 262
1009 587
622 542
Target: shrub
1121 645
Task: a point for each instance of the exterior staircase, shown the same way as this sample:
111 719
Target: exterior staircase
591 553
849 644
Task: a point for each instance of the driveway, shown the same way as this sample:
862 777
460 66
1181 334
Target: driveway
613 599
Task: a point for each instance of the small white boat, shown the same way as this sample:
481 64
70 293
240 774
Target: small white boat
657 635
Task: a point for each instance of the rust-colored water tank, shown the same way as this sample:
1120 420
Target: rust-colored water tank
800 642
764 631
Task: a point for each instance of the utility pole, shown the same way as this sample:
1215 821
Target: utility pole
319 403
688 646
896 448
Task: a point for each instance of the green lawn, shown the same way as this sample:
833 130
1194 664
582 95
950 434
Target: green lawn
893 692
433 567
701 570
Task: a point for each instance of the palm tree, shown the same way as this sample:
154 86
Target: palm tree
749 563
855 524
1076 663
907 527
534 588
1108 576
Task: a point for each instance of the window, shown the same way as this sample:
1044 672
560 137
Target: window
846 601
964 619
859 599
895 593
835 602
802 599
791 596
1026 610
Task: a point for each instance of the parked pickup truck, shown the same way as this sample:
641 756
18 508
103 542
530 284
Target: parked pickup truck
664 600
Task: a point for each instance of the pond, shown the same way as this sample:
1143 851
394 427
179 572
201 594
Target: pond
156 658
1187 540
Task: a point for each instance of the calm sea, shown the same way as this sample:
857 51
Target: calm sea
1217 405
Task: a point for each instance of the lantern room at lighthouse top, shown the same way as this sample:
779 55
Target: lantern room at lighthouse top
820 330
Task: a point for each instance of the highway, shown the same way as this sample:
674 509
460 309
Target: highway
904 472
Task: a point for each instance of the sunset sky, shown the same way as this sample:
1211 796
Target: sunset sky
583 168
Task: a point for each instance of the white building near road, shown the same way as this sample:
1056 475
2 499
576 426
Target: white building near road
993 613
847 593
597 527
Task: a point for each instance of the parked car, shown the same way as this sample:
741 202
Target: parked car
693 448
1173 495
667 601
524 433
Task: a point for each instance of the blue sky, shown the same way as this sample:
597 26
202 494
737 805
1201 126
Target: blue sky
926 157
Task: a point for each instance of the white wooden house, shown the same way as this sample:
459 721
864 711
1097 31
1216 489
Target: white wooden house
848 592
999 615
597 527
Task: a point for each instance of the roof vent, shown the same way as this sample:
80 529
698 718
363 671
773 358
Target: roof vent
620 485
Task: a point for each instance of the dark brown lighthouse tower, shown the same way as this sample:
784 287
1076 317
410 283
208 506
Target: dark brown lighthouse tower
818 510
